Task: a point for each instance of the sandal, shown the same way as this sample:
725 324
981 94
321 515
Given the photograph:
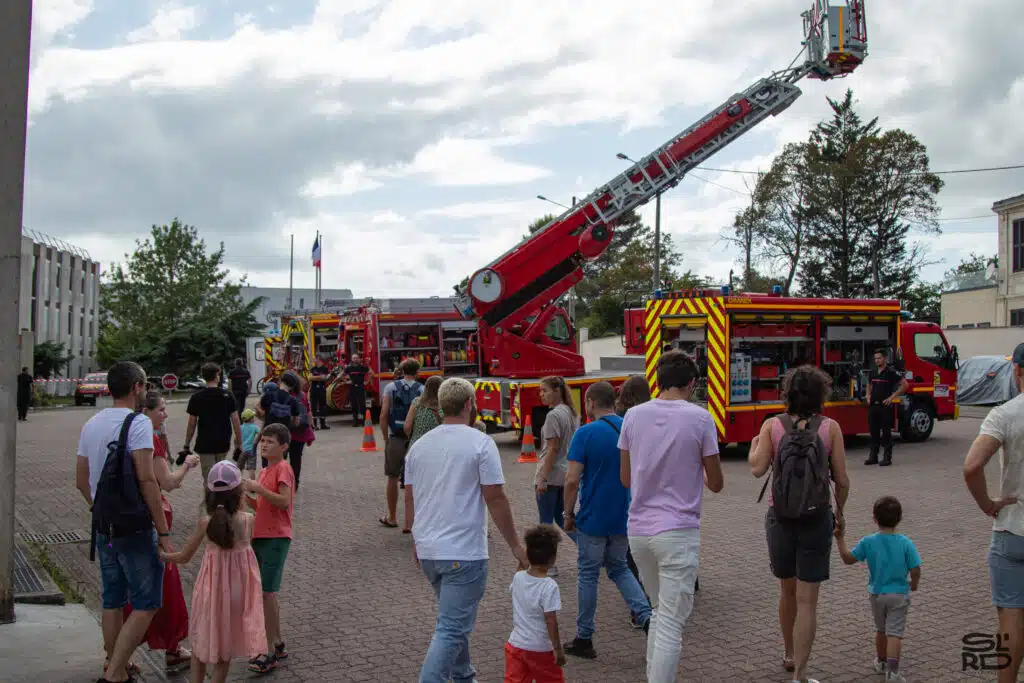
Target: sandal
132 668
385 522
263 664
280 652
180 658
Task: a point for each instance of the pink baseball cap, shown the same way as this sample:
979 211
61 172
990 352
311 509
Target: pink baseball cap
224 476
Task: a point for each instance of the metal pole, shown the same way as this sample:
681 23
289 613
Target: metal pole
15 39
291 273
657 241
319 270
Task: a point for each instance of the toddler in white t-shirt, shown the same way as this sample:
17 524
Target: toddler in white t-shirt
534 650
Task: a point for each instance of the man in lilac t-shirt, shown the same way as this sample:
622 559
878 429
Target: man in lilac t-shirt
669 452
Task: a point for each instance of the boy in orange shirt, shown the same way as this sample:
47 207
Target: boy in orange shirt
271 497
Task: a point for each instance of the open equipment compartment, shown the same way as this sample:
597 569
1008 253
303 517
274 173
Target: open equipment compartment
407 339
763 349
848 344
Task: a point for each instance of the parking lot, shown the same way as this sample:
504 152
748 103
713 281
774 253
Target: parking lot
355 608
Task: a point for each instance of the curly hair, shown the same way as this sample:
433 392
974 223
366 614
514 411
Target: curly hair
804 389
542 544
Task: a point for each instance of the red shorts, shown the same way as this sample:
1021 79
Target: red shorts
524 666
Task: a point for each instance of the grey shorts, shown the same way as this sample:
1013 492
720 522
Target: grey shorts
890 611
1006 569
394 455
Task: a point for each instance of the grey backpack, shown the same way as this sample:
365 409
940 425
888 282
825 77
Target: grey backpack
801 477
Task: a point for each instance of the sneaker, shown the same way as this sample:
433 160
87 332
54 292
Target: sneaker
582 648
553 571
880 666
895 676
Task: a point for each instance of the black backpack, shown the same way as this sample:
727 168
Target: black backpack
801 476
280 409
118 509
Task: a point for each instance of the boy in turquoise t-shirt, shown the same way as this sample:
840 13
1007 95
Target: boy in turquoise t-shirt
250 432
891 558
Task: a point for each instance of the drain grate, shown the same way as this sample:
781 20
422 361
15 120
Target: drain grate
58 538
25 579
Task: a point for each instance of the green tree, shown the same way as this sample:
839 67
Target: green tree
923 300
171 306
49 359
869 189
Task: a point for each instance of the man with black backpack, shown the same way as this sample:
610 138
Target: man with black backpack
114 473
395 404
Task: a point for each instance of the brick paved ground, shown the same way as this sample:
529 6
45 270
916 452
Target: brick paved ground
356 609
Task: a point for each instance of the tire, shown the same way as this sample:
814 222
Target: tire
259 386
918 423
78 401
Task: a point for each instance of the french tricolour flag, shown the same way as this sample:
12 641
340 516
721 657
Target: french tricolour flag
316 252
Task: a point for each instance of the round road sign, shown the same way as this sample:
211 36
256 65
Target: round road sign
169 382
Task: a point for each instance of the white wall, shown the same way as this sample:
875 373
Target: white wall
593 349
993 341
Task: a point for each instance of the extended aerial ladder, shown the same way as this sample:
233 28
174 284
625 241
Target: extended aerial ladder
520 288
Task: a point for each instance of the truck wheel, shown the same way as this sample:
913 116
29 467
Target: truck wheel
259 386
918 423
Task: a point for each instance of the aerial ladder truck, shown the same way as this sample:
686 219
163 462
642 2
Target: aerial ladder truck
514 299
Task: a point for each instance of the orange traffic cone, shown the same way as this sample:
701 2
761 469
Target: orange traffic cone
528 453
369 444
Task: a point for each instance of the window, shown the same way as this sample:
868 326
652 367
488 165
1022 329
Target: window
931 347
1017 317
71 320
302 303
1018 245
558 330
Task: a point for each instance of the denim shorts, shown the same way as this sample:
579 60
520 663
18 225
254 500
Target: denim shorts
1006 569
130 568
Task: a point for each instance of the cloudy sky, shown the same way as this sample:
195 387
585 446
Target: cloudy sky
416 134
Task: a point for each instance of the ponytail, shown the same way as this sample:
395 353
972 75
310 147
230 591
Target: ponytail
558 384
221 506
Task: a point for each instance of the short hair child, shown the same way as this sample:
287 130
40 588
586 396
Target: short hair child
534 650
891 558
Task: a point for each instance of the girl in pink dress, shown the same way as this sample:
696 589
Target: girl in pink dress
227 599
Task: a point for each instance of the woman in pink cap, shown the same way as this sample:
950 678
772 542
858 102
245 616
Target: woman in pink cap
227 599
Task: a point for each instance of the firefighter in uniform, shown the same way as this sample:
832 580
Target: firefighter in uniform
320 374
885 385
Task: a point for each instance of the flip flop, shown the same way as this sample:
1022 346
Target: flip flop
385 522
406 531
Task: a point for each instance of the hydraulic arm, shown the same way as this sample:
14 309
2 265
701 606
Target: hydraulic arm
536 272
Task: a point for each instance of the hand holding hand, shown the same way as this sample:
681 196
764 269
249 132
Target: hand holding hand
570 523
519 552
164 545
192 461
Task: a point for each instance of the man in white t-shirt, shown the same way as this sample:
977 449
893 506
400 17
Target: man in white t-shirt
129 564
1004 429
451 473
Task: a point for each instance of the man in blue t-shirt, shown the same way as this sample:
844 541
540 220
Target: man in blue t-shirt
600 524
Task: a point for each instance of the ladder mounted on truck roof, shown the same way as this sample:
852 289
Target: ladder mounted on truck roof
538 270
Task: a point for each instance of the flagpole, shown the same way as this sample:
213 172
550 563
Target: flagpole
291 274
319 270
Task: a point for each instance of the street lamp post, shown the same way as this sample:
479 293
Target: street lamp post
657 229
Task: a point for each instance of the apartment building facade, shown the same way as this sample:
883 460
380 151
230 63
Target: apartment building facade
60 298
983 312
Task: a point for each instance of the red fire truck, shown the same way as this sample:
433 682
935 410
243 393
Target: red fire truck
744 344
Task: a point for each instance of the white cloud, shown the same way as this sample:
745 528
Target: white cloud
170 22
430 124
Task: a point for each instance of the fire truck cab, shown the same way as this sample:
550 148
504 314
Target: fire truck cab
745 344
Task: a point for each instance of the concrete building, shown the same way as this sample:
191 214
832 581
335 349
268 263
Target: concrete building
983 313
276 299
60 286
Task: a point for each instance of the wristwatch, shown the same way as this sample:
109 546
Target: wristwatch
163 535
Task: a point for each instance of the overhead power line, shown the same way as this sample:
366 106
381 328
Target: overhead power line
950 172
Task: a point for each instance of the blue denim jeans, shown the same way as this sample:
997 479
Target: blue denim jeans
459 587
608 552
130 567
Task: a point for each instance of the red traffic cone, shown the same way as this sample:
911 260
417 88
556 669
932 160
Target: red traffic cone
528 453
369 444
